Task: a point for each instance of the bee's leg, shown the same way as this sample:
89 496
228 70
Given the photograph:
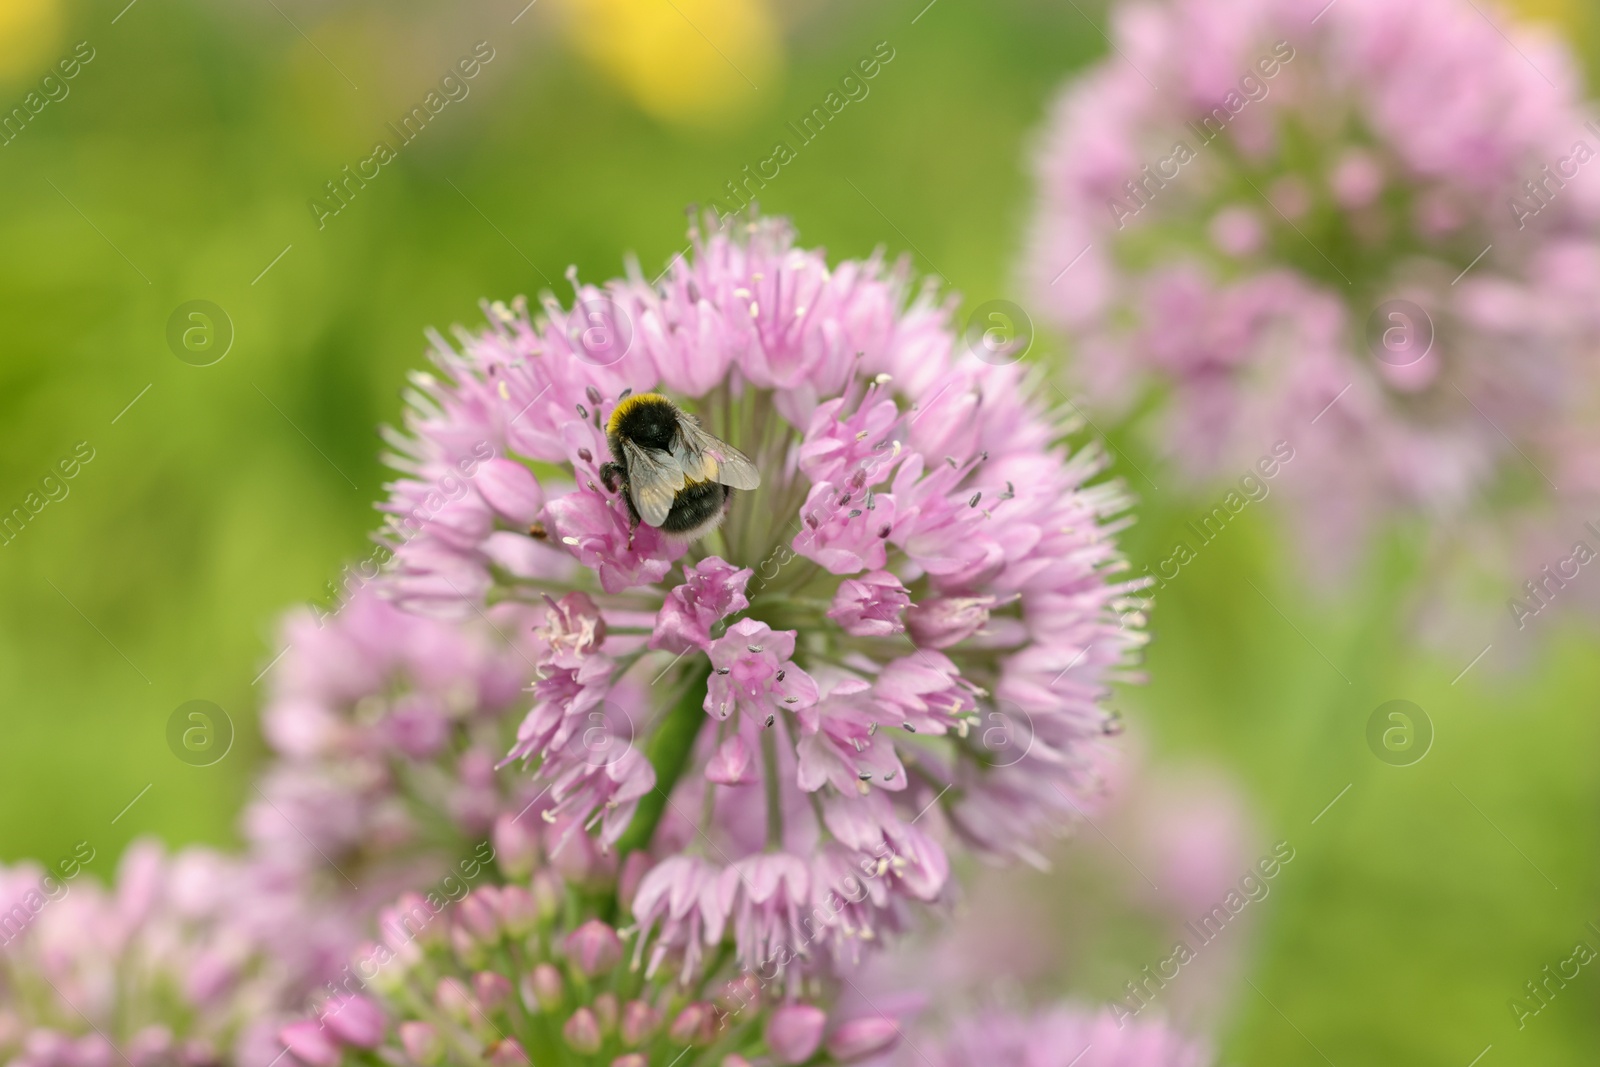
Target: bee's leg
611 476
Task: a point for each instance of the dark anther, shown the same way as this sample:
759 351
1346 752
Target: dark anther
975 498
583 412
593 394
585 455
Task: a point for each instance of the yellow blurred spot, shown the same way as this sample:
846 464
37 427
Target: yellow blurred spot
698 62
1571 17
29 34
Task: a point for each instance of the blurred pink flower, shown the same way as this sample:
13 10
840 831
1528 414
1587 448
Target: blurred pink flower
387 726
1343 156
192 958
494 977
1058 1037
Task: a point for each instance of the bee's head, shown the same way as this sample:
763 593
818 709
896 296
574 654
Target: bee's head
647 419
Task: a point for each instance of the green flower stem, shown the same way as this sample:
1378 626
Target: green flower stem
668 752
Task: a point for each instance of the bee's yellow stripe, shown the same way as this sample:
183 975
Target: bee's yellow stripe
627 404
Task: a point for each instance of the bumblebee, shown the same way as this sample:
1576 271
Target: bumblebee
678 477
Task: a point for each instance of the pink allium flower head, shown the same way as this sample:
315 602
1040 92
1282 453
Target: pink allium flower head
183 961
1059 1037
1399 285
387 726
441 988
899 643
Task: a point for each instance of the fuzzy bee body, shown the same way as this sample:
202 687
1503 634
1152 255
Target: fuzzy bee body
677 477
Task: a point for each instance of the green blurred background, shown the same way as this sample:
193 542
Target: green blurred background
181 164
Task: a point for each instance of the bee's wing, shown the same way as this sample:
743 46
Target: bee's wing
704 458
654 479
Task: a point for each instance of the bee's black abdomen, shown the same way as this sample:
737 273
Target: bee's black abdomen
697 506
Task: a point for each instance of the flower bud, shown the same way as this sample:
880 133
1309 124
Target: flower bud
594 948
870 606
572 852
695 1025
860 1038
454 1001
549 893
733 1059
510 489
310 1044
149 1047
606 1011
630 1059
411 919
390 969
639 1023
491 989
355 1020
516 845
547 988
422 1043
519 914
506 1052
468 950
582 1032
740 994
794 1032
479 912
